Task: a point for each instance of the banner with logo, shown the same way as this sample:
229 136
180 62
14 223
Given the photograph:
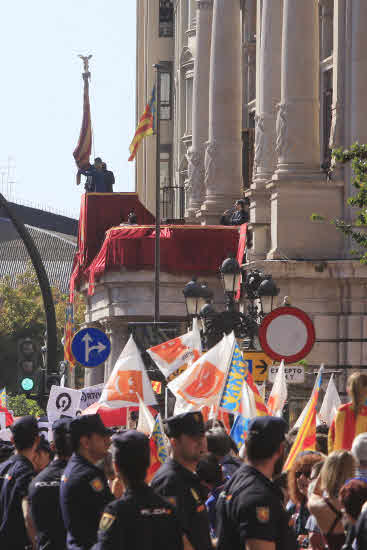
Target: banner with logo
90 395
63 402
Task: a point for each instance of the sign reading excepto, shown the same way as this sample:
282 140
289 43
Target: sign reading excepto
258 364
293 375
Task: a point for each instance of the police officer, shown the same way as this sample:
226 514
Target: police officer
250 511
177 479
15 477
84 491
44 493
141 519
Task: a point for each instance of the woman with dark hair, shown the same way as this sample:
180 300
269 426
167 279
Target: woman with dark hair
351 418
299 478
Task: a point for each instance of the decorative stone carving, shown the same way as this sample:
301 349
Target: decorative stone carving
210 162
336 123
259 140
196 173
281 128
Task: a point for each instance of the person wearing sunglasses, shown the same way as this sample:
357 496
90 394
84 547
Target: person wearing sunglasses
298 482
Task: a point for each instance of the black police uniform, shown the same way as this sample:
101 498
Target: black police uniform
44 499
183 489
140 520
84 493
15 477
251 507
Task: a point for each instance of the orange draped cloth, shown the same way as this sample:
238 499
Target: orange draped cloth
345 427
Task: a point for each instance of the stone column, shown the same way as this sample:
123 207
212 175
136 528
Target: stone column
117 331
223 157
359 72
299 189
200 110
265 129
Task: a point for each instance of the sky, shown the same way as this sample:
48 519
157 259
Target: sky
41 94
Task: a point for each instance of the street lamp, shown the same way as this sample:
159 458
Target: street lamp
259 289
196 296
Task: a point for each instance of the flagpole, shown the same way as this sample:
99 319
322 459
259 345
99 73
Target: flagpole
166 403
157 256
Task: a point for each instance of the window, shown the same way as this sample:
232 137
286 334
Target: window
166 95
327 100
166 18
165 168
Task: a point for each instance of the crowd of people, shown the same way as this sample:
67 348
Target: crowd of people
88 488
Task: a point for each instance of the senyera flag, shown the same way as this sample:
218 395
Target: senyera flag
177 354
306 437
202 383
145 126
128 380
261 408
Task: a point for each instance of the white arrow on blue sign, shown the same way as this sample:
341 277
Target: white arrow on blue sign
90 347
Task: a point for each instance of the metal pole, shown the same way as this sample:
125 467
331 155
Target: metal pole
166 403
157 257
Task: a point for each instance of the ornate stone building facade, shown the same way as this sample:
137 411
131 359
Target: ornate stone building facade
260 91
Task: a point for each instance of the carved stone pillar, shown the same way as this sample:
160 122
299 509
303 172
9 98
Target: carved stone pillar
298 187
265 124
223 158
200 110
117 330
358 72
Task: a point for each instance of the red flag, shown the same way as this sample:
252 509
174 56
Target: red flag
240 252
83 150
68 334
155 463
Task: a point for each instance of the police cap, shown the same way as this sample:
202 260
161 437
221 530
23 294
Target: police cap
61 426
131 452
24 430
87 425
269 430
190 423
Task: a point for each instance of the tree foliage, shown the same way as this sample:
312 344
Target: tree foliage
357 156
22 315
22 406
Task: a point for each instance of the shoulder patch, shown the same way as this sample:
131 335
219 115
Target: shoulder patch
106 521
263 514
195 495
97 484
172 500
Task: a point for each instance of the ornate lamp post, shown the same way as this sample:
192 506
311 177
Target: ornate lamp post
259 289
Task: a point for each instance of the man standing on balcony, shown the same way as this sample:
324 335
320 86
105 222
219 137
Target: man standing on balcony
95 177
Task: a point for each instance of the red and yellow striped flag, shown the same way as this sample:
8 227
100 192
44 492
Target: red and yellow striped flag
306 437
83 149
157 386
145 126
261 408
68 334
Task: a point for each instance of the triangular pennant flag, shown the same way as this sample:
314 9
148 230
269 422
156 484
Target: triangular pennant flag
146 420
330 404
239 430
202 383
160 439
306 437
233 387
261 409
247 407
128 380
279 393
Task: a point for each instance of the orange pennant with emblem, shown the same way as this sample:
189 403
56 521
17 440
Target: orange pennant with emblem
125 386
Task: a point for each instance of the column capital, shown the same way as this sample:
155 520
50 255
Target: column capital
204 4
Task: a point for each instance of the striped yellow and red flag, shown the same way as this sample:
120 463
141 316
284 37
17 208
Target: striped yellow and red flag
145 126
261 408
306 437
83 150
68 334
157 386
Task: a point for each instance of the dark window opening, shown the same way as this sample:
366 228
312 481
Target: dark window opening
166 18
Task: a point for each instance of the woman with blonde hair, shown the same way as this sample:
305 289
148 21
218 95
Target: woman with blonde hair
351 418
324 504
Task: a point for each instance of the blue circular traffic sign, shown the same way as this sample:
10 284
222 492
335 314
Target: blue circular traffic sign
90 347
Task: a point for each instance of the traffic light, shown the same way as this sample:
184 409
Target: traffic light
28 366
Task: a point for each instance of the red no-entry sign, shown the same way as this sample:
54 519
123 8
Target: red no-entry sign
287 333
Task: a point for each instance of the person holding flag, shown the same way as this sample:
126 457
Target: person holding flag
177 480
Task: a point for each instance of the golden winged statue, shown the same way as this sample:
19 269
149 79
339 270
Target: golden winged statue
85 59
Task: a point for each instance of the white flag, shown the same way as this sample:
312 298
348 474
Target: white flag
247 407
146 420
128 380
330 404
279 393
202 383
179 353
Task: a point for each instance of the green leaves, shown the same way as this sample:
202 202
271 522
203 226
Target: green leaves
22 406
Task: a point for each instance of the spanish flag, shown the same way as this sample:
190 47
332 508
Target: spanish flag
83 149
145 126
68 334
306 437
